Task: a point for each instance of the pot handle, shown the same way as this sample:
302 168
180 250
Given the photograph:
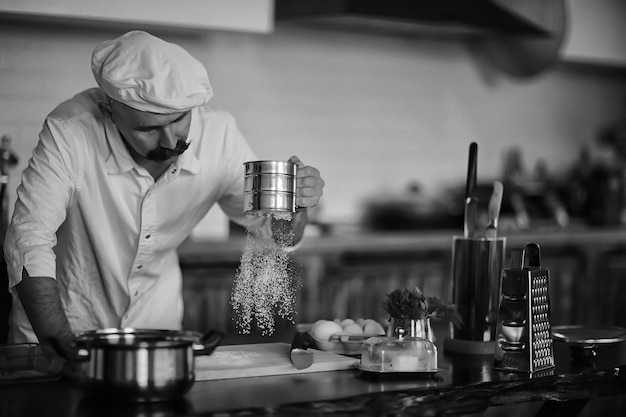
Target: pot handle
208 342
82 355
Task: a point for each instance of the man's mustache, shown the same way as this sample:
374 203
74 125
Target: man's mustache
163 154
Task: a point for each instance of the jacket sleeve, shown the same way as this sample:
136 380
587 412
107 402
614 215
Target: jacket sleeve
43 197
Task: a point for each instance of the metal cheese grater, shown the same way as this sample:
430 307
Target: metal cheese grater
523 333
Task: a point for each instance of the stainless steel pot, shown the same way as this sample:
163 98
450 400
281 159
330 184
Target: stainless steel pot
141 365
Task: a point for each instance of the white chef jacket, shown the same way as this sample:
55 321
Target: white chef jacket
89 216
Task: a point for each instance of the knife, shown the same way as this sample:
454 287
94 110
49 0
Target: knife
470 184
493 213
471 202
493 210
471 214
352 338
301 356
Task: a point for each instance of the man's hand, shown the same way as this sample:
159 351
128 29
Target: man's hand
309 184
41 301
68 352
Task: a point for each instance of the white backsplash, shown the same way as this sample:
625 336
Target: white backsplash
373 111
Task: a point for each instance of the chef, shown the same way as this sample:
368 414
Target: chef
120 176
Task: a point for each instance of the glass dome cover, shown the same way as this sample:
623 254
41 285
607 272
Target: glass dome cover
398 354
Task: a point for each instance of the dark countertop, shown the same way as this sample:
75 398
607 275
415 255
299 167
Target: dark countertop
465 384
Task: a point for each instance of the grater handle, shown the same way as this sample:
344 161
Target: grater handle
532 256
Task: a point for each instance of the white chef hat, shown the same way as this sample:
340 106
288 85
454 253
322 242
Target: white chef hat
149 74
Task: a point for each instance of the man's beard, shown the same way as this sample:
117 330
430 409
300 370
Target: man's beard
163 154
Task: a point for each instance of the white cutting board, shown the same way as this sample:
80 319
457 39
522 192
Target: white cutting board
263 359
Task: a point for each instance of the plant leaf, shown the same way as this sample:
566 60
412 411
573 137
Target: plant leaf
413 305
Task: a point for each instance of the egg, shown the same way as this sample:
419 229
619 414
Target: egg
352 328
345 322
323 330
373 327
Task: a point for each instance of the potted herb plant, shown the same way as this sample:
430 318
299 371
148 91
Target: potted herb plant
410 313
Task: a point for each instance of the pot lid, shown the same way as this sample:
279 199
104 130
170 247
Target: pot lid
130 337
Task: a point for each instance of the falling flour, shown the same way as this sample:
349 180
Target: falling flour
266 282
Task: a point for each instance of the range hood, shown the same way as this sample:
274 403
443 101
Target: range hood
482 15
520 37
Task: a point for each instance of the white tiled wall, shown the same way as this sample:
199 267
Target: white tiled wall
372 111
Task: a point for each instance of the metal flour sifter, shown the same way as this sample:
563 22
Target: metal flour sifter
270 186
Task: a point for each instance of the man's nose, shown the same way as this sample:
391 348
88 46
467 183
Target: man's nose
168 138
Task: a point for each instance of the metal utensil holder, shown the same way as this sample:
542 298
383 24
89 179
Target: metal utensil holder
523 330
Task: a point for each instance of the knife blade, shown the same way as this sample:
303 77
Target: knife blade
471 214
301 356
493 210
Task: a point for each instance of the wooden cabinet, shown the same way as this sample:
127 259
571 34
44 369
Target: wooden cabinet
354 285
206 295
349 278
608 305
